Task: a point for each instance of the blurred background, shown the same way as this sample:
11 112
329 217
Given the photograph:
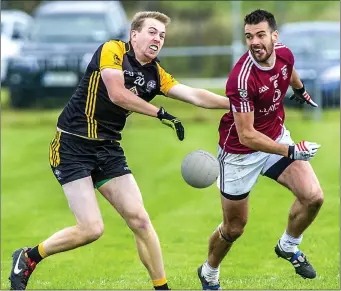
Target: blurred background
45 48
41 56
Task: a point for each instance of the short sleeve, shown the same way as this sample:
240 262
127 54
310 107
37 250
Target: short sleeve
167 81
239 89
285 52
112 55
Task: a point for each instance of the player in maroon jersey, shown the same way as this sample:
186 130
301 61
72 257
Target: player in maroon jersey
254 141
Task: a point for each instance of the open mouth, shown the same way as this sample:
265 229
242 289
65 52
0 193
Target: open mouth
259 51
154 47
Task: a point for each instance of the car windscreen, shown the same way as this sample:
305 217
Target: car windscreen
312 42
69 28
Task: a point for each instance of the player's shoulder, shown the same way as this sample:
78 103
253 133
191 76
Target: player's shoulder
243 61
242 69
282 49
116 44
158 65
284 52
111 54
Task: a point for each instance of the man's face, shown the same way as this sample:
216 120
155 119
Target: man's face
150 39
260 40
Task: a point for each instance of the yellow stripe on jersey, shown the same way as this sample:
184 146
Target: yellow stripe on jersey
54 150
92 113
91 104
112 55
166 80
87 101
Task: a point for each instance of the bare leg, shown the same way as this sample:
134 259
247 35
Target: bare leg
124 194
83 203
300 178
235 214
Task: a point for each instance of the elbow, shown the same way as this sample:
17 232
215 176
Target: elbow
243 140
117 98
245 137
197 98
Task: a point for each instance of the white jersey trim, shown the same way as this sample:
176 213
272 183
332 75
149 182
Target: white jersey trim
227 136
245 106
277 44
259 66
241 76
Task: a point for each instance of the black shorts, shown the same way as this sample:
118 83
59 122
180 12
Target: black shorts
73 158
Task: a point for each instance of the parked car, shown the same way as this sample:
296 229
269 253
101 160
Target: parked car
60 45
316 47
330 87
14 29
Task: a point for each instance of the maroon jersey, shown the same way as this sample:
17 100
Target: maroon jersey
251 87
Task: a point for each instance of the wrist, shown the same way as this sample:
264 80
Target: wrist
291 152
160 113
300 90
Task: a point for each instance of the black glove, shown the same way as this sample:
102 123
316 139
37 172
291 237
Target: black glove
172 122
301 96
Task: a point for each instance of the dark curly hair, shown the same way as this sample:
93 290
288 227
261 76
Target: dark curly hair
260 15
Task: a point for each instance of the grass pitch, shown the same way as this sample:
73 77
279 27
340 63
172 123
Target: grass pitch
33 207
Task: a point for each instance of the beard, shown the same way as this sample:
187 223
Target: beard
264 54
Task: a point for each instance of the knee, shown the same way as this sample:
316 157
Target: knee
138 221
233 229
316 199
92 231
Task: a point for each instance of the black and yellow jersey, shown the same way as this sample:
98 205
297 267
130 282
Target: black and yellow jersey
90 112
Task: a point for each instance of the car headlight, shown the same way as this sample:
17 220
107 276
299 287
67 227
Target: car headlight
15 79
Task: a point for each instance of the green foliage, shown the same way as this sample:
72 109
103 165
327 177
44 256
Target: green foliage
34 207
197 67
213 23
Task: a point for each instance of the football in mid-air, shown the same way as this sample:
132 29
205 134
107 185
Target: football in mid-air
200 169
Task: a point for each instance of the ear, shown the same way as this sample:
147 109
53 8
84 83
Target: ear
133 34
274 36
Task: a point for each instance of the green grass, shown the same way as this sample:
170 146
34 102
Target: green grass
34 207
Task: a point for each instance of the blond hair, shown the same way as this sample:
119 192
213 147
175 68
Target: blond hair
140 17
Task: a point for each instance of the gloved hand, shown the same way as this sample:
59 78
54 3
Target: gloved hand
301 96
172 122
304 150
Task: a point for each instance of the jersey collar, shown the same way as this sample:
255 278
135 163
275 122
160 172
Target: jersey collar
259 66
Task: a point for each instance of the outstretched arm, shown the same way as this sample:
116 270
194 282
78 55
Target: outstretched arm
198 97
118 94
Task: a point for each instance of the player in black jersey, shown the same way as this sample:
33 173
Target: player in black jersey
121 78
